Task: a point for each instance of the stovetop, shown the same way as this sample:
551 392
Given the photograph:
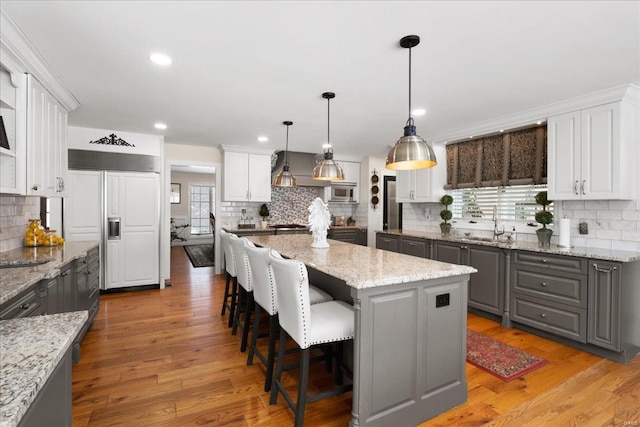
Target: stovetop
288 226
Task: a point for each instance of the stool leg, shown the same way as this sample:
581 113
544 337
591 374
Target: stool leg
234 296
254 334
302 387
239 300
279 367
247 321
271 352
338 362
226 294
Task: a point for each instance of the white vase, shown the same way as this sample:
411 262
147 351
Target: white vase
264 224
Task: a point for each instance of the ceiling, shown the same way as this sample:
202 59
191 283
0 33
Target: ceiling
241 68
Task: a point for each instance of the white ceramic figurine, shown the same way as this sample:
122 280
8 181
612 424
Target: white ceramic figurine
319 221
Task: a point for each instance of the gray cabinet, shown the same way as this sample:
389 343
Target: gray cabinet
348 236
87 293
414 246
25 304
66 289
388 242
604 304
486 287
363 240
549 292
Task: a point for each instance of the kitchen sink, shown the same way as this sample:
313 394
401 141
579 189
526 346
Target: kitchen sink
478 239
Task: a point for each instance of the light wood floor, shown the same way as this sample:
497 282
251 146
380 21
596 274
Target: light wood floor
167 358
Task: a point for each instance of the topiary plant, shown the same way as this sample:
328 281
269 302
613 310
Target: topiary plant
543 217
446 214
264 211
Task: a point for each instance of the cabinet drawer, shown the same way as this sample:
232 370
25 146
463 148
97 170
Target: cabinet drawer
414 247
92 256
559 319
550 262
387 242
25 305
349 236
568 289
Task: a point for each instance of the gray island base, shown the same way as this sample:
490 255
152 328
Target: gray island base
409 348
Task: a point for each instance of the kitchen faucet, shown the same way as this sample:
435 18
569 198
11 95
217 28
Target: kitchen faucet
496 233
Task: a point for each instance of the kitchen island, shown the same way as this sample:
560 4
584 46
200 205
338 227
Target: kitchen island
409 348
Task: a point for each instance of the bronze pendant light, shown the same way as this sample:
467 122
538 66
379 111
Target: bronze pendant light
285 178
328 169
411 151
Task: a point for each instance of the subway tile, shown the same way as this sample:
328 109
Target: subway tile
609 234
596 204
623 245
609 214
621 205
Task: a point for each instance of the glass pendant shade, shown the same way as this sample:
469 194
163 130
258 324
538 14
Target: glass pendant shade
328 169
410 152
285 178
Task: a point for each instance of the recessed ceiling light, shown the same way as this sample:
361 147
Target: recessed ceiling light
262 139
419 112
160 126
539 122
501 130
160 59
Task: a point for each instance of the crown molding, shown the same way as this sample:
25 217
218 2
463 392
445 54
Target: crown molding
15 44
629 92
249 150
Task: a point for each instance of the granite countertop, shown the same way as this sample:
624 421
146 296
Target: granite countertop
593 253
16 279
359 266
31 349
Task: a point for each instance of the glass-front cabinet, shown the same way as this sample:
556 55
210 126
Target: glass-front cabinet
12 128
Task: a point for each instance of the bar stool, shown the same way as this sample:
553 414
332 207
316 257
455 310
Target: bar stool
245 281
229 301
308 325
264 294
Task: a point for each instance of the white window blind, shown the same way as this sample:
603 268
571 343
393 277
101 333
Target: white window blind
201 198
514 203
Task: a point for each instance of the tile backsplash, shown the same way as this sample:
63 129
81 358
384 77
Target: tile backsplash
612 224
15 212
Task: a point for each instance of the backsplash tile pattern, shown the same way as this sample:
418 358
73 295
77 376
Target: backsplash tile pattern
613 224
15 212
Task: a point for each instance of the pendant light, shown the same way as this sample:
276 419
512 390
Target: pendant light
410 152
285 178
328 169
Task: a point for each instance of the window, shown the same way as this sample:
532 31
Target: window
515 203
202 202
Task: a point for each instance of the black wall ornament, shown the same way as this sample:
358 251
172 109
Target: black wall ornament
112 140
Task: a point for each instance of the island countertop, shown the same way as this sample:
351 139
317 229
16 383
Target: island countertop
359 266
31 349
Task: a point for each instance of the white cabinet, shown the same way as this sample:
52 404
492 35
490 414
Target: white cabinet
46 142
246 174
592 153
422 185
13 112
351 176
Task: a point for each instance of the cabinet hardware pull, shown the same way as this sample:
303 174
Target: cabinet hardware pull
25 306
413 244
543 284
575 187
544 261
604 270
582 187
544 316
386 240
35 187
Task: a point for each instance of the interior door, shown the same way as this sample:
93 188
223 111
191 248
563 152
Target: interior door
133 231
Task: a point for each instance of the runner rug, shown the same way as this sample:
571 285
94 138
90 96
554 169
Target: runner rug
200 255
499 359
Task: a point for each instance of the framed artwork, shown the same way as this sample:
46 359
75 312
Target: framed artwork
4 142
174 196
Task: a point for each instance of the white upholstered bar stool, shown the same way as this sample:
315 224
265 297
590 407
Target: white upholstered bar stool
264 295
308 325
245 289
231 282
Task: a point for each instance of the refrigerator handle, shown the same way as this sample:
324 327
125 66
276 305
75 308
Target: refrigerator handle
114 228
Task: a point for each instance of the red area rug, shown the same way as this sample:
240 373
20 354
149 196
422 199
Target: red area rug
500 359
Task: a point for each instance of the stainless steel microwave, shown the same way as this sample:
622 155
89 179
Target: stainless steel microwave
342 193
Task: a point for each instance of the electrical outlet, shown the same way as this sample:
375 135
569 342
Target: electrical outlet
442 300
583 227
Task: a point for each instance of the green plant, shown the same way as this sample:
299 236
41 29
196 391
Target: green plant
543 217
264 211
446 214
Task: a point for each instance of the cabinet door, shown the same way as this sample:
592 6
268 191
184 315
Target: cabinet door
13 112
604 305
54 297
564 156
387 242
352 175
236 176
450 252
601 152
486 287
424 190
362 237
405 181
419 186
415 247
259 178
66 286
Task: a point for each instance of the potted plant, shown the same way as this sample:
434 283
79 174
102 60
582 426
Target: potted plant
544 217
445 214
264 213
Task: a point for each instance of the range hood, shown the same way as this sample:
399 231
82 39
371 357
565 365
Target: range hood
301 166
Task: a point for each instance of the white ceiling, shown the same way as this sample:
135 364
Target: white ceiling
242 67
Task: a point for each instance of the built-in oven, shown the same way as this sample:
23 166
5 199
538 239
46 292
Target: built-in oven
342 193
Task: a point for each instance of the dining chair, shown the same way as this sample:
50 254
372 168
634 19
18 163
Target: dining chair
231 282
244 299
309 326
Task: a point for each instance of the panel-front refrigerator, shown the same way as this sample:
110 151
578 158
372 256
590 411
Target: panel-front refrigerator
122 211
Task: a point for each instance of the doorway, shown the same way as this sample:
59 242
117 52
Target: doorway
391 210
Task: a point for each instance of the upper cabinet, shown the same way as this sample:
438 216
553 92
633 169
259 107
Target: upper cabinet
46 142
592 153
422 185
246 174
351 176
12 111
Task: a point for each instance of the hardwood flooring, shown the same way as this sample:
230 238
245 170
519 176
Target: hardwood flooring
167 358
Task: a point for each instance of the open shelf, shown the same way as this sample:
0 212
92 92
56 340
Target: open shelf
5 104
